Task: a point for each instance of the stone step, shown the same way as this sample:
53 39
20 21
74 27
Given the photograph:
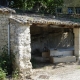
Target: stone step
61 52
63 59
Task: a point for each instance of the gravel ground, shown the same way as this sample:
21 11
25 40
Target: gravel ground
61 71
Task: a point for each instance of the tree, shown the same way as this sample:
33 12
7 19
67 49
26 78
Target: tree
44 6
3 2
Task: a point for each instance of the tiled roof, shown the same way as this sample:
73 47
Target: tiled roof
43 20
6 9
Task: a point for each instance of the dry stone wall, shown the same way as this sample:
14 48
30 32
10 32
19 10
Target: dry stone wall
3 29
59 40
19 43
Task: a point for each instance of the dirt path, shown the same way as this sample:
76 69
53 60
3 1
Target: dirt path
62 71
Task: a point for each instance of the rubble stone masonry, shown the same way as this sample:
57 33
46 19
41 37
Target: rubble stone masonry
4 22
20 40
20 44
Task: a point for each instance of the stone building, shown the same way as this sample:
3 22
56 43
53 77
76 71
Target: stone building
23 40
70 6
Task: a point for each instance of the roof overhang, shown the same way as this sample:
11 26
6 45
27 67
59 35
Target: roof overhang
43 22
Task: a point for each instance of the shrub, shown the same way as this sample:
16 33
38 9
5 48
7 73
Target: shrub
15 75
2 74
5 60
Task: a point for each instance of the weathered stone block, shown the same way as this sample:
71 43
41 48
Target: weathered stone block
61 52
77 41
64 59
77 52
77 47
76 32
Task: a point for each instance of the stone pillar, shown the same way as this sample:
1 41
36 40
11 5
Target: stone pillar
20 44
77 43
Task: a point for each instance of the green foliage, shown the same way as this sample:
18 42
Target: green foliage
2 74
44 6
6 65
15 75
5 60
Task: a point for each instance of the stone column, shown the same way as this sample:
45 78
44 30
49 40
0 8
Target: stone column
22 49
77 43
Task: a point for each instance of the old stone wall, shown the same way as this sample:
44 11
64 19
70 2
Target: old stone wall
3 29
20 46
51 38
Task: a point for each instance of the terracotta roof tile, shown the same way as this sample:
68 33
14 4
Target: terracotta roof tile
40 20
6 9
